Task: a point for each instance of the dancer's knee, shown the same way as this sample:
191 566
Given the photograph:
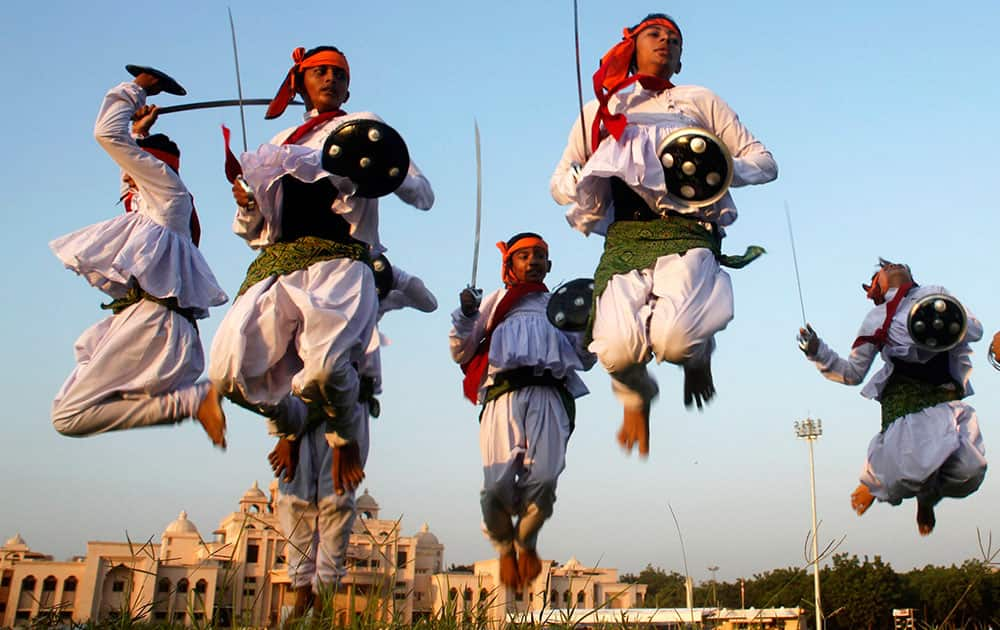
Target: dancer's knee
68 423
542 494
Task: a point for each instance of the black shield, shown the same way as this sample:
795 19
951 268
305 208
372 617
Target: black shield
370 153
569 306
697 166
937 322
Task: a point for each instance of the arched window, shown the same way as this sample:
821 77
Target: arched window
201 586
567 597
163 586
49 584
468 594
453 594
69 585
579 597
483 594
28 584
182 585
554 597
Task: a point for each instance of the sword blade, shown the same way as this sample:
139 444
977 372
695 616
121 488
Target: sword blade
579 77
795 263
479 204
231 102
239 83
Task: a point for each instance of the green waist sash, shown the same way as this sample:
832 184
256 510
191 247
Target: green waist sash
903 395
633 245
519 378
136 294
283 258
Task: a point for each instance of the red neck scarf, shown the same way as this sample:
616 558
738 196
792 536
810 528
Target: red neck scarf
475 368
311 124
881 335
613 76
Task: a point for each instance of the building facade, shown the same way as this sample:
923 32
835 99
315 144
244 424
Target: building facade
239 577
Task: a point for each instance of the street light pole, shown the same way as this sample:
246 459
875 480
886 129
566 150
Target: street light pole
810 430
715 595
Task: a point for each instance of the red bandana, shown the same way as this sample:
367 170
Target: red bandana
505 254
613 76
288 87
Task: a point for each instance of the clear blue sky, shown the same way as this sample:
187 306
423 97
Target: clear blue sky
880 116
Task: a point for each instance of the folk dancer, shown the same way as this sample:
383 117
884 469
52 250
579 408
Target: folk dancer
317 539
523 371
293 344
930 445
659 289
141 366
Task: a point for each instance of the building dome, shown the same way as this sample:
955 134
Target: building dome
425 537
366 503
181 526
15 541
254 494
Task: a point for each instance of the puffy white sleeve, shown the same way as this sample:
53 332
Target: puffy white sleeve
853 369
415 189
562 184
752 162
468 332
157 181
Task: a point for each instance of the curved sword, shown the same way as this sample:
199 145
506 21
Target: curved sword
479 205
579 77
230 102
239 83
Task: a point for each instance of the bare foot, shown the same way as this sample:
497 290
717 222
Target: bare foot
925 518
698 386
347 469
211 417
508 570
861 499
284 458
528 565
635 430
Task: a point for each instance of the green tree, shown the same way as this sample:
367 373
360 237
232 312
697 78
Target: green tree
663 590
860 594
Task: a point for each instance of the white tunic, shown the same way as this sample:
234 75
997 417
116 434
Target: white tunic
652 117
931 453
140 367
153 242
303 332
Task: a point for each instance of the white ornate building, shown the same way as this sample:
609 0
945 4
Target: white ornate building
239 577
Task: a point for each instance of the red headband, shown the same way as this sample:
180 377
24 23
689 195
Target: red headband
613 75
519 244
173 161
288 87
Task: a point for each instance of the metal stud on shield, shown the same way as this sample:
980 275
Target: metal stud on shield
370 153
